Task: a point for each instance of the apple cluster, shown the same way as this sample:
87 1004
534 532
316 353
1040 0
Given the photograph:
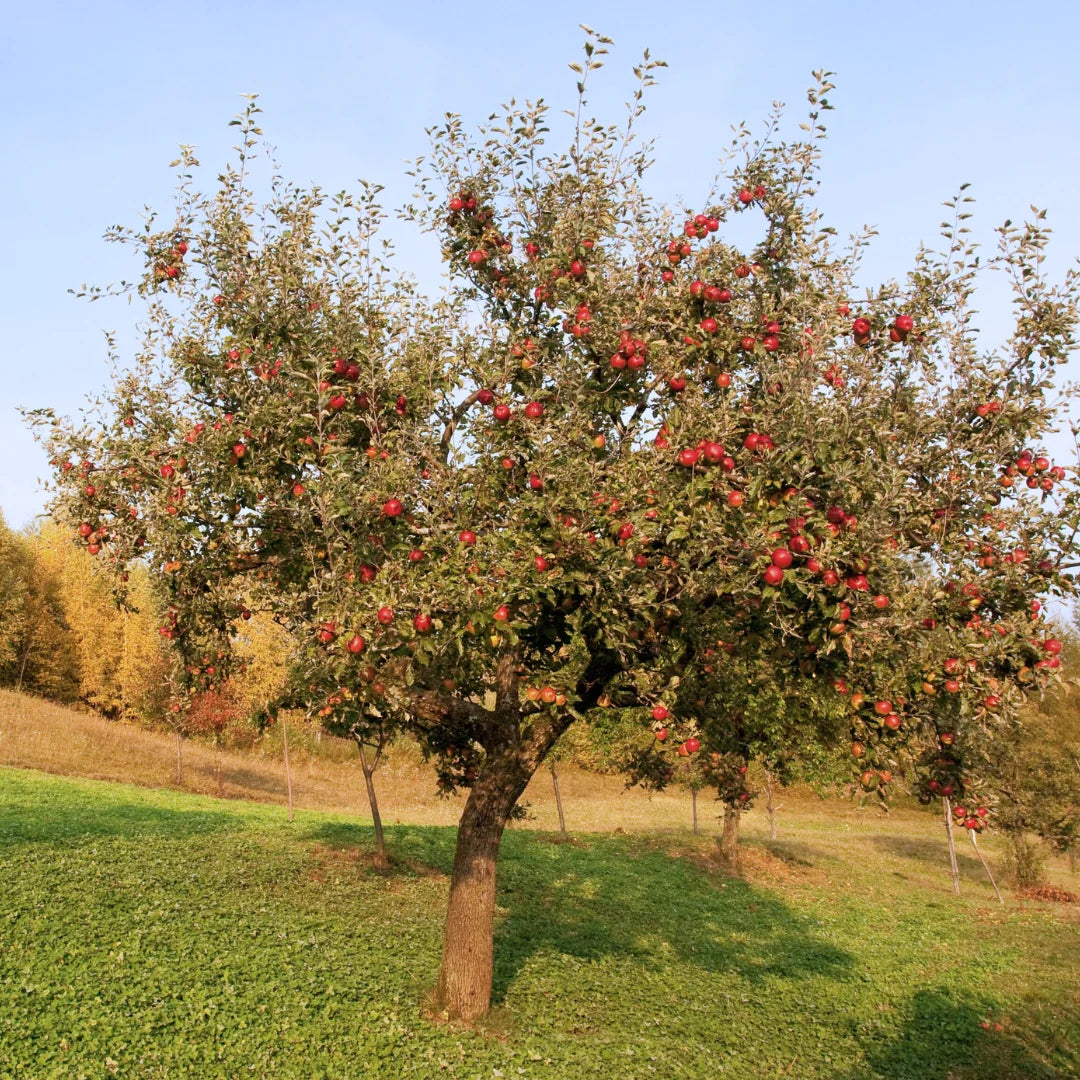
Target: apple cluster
168 262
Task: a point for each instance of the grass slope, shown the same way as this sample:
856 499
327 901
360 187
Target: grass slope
155 934
36 734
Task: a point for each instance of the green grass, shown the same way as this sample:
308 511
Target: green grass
152 934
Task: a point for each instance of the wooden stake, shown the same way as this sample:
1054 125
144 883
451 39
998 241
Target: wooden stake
373 802
179 775
558 799
975 844
952 847
288 768
769 805
693 804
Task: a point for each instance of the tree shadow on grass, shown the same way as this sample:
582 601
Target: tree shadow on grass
39 809
941 1039
614 897
933 854
792 852
607 899
412 849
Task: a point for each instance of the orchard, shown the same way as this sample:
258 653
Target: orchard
620 465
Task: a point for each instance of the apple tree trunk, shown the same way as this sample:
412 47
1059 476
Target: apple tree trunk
463 991
729 841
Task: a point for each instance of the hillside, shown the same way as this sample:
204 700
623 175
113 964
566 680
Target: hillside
35 734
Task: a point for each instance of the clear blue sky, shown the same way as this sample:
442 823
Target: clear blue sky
98 96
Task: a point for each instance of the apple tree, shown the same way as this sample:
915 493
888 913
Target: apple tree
615 440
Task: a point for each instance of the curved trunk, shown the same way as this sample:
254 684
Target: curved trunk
464 987
729 842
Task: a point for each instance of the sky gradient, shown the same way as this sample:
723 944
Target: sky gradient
98 97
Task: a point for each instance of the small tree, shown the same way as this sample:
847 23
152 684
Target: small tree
575 469
1032 771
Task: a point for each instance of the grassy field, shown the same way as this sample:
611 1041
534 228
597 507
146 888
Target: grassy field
158 934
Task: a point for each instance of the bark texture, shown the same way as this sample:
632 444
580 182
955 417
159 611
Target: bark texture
464 987
729 841
514 754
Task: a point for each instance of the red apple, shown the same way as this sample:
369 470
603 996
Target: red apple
773 575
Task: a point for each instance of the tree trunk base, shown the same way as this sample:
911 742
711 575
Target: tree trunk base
729 840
